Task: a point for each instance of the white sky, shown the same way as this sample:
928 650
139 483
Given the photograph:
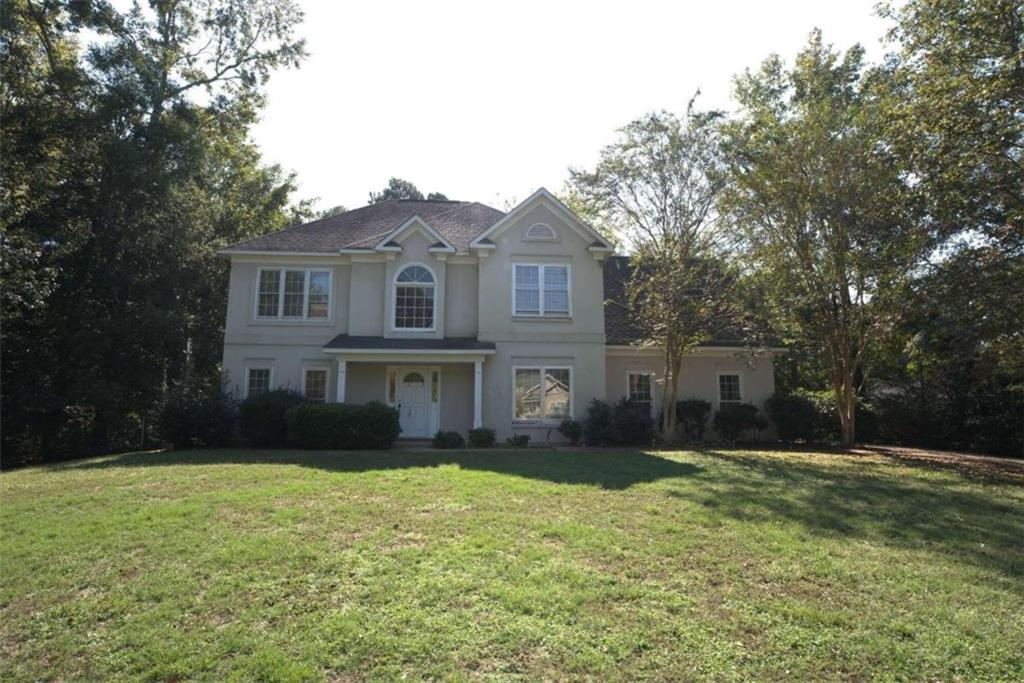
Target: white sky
487 102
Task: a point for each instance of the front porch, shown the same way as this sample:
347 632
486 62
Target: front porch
436 384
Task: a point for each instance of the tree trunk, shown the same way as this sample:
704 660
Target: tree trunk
846 401
669 393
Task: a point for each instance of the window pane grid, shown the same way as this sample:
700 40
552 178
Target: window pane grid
319 294
541 290
294 293
259 381
316 385
270 284
640 387
414 307
543 393
729 388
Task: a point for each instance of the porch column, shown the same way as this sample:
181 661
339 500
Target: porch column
478 392
342 367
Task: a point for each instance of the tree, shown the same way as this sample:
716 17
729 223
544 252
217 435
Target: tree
820 208
954 111
332 211
403 189
658 185
125 183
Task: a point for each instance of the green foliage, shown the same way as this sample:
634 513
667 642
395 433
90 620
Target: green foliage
196 416
598 427
403 189
443 439
572 430
632 423
795 416
735 420
261 418
693 417
126 164
481 437
342 426
519 440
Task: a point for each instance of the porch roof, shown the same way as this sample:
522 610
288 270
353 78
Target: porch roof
344 343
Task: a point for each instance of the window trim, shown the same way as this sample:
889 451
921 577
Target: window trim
649 373
327 379
718 386
543 420
248 379
394 298
280 317
540 289
529 238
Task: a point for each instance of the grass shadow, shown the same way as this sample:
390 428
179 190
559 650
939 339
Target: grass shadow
615 470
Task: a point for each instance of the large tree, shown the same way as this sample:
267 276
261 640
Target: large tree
657 186
397 188
133 167
820 207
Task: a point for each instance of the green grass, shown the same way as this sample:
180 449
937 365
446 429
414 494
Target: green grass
512 565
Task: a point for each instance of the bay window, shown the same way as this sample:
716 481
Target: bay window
293 294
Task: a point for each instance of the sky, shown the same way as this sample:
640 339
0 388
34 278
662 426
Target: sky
487 101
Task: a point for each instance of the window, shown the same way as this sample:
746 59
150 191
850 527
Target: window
540 290
257 381
414 298
728 388
641 387
541 231
293 294
542 394
314 384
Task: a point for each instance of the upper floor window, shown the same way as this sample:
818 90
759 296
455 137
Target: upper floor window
541 231
729 390
286 293
414 298
540 290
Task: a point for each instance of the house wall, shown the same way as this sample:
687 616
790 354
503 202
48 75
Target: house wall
461 297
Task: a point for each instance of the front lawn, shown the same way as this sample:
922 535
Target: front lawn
511 565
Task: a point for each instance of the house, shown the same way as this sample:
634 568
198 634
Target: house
458 314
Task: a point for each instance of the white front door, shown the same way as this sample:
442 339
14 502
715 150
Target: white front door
414 401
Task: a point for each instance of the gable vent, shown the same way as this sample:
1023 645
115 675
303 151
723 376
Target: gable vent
540 231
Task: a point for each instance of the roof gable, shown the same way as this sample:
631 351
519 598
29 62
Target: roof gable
413 225
485 240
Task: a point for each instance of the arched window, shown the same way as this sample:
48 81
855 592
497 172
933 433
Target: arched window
414 298
540 231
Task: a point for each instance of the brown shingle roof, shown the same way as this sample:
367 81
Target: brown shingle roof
458 222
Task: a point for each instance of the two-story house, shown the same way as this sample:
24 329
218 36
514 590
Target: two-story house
458 314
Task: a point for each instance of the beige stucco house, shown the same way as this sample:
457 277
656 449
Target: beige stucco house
458 314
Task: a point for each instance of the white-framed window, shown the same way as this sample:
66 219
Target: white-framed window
541 232
314 384
293 294
541 394
258 380
640 387
541 290
730 388
414 291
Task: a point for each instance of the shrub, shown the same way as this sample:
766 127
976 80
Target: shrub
342 426
572 430
631 424
261 417
482 437
598 429
448 440
519 440
195 417
796 417
732 420
692 417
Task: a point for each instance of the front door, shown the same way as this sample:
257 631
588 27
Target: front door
414 402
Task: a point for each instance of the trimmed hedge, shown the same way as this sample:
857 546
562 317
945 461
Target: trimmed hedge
448 440
261 418
632 424
733 420
196 417
692 417
342 426
598 428
571 430
482 437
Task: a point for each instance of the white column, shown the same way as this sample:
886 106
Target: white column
478 393
342 367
